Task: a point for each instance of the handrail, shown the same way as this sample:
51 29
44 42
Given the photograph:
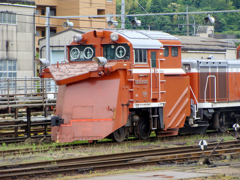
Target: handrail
14 91
194 98
215 90
151 75
159 98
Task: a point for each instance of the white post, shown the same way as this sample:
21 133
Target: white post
123 14
47 34
187 21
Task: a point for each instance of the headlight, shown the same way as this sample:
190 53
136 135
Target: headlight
186 67
114 36
77 38
100 60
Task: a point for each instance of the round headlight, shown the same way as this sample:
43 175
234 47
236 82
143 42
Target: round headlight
114 36
77 38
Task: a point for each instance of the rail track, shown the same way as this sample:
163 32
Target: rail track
118 160
20 131
23 139
56 147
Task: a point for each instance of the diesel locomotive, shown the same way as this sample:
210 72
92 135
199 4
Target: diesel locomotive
121 83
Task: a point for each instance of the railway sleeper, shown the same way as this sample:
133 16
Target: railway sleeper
84 170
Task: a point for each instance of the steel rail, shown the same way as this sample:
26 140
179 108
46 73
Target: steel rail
60 146
131 159
135 154
21 139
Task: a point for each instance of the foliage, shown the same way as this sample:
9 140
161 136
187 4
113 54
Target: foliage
228 23
37 55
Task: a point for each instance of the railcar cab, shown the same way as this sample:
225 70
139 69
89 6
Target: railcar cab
136 46
172 53
98 43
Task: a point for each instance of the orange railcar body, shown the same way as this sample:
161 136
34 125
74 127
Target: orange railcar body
95 101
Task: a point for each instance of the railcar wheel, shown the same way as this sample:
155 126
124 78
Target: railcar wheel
222 126
144 128
120 134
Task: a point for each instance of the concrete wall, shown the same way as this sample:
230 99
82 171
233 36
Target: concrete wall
20 37
231 54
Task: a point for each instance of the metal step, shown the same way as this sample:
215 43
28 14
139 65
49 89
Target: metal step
153 118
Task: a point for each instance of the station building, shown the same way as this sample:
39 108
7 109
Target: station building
72 8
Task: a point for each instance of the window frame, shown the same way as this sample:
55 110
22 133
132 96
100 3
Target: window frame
141 55
43 33
37 33
43 12
81 57
166 48
8 18
53 12
111 49
173 55
37 12
13 68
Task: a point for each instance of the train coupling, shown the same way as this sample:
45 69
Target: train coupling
56 121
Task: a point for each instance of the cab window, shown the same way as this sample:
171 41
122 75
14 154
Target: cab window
166 51
116 51
140 56
81 53
174 51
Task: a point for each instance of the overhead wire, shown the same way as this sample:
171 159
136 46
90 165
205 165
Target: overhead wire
84 19
104 21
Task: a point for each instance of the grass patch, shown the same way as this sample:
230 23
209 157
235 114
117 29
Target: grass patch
56 152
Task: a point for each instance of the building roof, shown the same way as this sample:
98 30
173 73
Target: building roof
82 31
18 2
190 43
196 43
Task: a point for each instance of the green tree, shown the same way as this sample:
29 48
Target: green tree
236 4
156 6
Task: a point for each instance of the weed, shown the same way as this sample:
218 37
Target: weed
34 147
53 163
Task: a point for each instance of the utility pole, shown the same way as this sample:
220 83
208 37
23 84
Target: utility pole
187 21
187 18
47 33
123 14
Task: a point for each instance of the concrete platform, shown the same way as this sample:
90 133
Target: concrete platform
160 175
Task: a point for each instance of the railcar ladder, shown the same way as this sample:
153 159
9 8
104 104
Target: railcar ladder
159 80
153 118
130 79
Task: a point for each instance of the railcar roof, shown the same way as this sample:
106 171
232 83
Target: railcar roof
142 39
195 62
